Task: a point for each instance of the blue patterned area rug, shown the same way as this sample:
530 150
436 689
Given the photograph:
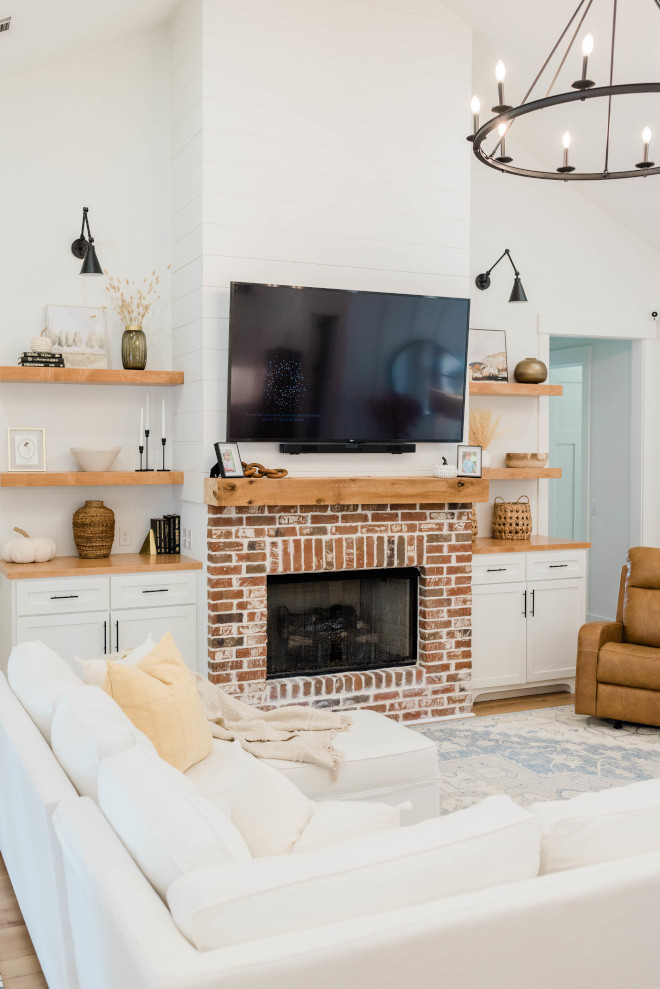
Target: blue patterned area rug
548 754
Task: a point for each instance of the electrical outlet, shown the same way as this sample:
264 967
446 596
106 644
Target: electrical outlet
186 538
124 536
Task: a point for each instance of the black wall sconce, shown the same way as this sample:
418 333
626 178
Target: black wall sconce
85 249
482 281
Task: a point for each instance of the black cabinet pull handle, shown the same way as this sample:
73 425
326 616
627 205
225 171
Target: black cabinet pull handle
552 566
532 611
105 638
62 597
524 604
495 569
157 590
117 636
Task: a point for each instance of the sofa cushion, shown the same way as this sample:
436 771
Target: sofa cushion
166 824
629 665
339 820
88 726
93 671
380 755
598 827
160 698
491 843
40 679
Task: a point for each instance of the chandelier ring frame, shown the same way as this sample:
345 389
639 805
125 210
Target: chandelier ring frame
625 89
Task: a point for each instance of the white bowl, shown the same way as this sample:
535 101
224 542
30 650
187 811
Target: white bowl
99 459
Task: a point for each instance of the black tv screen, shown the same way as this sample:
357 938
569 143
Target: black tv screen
328 365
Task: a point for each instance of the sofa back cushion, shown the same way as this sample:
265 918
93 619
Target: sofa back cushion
40 679
88 726
641 603
167 825
491 843
160 697
599 827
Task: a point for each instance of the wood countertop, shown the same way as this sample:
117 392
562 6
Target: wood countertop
535 544
344 490
73 566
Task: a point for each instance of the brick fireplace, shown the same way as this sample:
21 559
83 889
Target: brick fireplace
246 543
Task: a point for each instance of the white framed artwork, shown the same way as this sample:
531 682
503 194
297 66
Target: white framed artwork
78 333
26 449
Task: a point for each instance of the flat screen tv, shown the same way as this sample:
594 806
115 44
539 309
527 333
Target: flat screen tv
318 365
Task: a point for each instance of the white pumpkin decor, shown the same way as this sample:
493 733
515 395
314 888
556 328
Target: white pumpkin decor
444 469
28 550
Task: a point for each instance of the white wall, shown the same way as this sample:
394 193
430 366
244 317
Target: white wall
93 130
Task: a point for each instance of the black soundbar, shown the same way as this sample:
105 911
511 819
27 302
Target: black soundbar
347 447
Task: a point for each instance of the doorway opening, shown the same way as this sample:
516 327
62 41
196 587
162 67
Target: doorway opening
594 426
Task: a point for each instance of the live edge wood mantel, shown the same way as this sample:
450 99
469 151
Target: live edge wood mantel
344 490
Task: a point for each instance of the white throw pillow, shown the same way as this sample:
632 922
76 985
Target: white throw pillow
167 825
93 671
599 827
88 726
492 843
40 679
339 820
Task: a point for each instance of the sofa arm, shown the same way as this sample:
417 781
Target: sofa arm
591 638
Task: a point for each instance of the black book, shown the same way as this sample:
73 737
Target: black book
176 522
49 359
168 533
41 364
161 536
42 354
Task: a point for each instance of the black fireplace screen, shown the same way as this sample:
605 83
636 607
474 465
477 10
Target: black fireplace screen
349 621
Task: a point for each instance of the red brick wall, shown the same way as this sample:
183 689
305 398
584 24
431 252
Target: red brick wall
247 543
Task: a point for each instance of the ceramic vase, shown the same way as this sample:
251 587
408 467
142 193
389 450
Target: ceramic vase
531 371
93 530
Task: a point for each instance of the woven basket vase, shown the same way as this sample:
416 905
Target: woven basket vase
93 530
512 519
475 524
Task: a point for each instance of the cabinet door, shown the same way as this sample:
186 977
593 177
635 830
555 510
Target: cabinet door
86 635
132 626
498 634
556 610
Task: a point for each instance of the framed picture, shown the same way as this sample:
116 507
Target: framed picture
78 332
27 449
487 355
229 459
469 461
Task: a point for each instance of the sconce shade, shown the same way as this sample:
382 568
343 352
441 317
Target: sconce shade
84 249
517 292
90 265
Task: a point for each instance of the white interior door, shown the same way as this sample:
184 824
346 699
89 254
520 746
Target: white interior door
498 634
568 447
555 612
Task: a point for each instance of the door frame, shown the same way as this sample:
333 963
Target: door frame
582 356
642 429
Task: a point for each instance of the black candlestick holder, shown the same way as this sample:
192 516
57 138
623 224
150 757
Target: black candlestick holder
140 468
163 440
146 454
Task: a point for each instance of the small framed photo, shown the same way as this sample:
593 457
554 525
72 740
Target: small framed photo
27 449
229 459
469 461
487 355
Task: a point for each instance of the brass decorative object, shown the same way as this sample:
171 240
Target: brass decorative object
531 371
258 470
93 530
526 460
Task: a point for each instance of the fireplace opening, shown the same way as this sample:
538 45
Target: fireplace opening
343 622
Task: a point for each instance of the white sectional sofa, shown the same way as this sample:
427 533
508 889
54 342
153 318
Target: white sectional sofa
455 901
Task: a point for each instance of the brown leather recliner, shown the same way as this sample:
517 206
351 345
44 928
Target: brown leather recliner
618 663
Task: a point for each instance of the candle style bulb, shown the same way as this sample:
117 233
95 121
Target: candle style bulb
500 71
503 157
500 75
566 140
588 45
566 143
646 140
475 106
587 48
646 136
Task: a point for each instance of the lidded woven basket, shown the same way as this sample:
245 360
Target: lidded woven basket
512 519
93 530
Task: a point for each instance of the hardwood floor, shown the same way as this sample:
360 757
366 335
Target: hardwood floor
19 966
531 702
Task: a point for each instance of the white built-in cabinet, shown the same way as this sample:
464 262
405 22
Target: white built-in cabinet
93 616
527 609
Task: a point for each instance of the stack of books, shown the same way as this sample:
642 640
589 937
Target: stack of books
166 534
40 358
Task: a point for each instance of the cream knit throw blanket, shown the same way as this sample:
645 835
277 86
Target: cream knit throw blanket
298 734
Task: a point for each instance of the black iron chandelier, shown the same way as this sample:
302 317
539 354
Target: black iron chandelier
582 89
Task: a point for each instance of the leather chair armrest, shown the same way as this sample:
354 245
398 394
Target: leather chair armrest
591 638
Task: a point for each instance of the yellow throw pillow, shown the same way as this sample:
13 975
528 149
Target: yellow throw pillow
159 696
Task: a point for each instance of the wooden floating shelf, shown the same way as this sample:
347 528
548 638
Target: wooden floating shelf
519 473
87 376
87 478
513 388
73 566
344 491
535 544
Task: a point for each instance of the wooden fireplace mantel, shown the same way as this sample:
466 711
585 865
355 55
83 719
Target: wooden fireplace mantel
344 490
